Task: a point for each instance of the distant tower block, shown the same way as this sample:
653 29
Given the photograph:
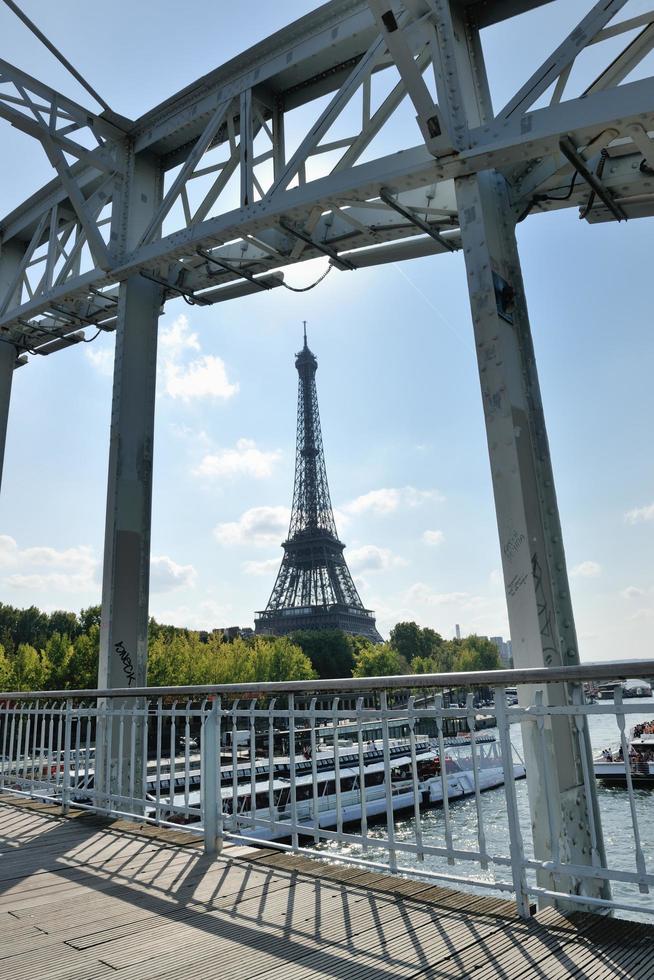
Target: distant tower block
314 589
457 630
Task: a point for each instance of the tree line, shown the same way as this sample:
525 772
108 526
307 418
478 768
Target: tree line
59 651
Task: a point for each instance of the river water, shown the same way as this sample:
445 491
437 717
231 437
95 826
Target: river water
614 810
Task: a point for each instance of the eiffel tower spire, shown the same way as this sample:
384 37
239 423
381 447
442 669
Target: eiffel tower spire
314 588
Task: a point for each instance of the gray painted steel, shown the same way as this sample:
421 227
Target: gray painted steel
541 618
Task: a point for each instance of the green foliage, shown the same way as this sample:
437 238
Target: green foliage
331 652
83 664
184 659
88 618
5 670
424 665
60 651
29 669
379 660
411 640
428 653
477 653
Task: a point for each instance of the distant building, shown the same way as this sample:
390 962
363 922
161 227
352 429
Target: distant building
457 631
503 648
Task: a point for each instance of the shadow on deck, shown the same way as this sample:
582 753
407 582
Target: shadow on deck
82 898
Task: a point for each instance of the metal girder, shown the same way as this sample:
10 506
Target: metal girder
226 131
562 59
565 815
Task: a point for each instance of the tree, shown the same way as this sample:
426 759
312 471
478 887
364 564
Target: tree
424 665
279 659
380 660
83 663
89 617
477 653
5 671
406 638
31 628
64 623
29 669
59 652
331 652
411 640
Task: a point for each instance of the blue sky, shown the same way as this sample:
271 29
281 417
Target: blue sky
399 395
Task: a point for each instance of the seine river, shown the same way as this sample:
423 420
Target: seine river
614 808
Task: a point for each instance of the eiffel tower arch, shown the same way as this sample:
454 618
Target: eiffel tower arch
314 589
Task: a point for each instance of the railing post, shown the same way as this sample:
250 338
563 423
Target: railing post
515 834
65 785
212 814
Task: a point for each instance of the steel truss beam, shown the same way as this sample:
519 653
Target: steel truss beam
234 182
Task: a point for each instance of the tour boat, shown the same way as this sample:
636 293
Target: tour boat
341 797
610 766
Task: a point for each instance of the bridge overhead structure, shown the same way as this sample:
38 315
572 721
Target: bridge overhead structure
199 198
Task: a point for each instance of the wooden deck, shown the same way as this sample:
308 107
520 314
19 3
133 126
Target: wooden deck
81 898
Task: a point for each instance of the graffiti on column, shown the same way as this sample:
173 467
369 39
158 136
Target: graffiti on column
126 661
545 620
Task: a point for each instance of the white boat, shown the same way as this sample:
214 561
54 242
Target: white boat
326 799
610 766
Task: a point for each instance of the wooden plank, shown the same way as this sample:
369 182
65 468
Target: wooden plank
82 900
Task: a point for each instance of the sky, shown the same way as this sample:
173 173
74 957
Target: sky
398 388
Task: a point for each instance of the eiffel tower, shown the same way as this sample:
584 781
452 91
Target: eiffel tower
314 589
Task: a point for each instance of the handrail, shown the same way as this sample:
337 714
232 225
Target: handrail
613 670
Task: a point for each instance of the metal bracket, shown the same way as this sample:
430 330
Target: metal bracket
230 268
188 294
407 213
320 246
569 151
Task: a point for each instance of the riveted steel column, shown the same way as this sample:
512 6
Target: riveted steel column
7 362
126 572
10 257
564 813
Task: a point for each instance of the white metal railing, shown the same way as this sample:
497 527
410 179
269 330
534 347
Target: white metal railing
379 781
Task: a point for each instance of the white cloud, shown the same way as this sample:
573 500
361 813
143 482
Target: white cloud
166 574
423 594
245 459
44 568
640 514
370 558
202 377
266 567
643 614
102 359
259 526
390 499
433 538
207 615
496 578
586 569
177 338
632 592
206 377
